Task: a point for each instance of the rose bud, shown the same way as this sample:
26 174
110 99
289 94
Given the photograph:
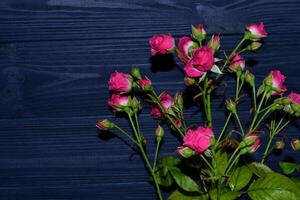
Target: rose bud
251 149
185 152
231 105
166 101
295 144
178 101
279 145
118 102
237 63
185 45
145 85
198 32
256 31
135 105
161 44
104 124
214 42
275 80
249 78
120 82
189 81
135 72
249 139
176 122
159 133
202 62
254 46
199 139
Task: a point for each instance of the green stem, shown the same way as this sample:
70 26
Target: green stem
125 133
239 122
206 162
257 113
232 164
254 97
266 152
156 154
224 128
231 158
137 124
261 119
142 151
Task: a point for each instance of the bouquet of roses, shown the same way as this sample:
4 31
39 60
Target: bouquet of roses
212 164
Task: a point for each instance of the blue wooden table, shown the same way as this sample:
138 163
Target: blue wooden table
55 60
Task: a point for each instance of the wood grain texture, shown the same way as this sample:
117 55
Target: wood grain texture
55 59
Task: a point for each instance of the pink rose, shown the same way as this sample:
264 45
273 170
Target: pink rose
255 146
277 82
199 139
237 62
167 102
250 143
294 97
120 82
161 44
203 60
145 84
118 102
184 45
257 30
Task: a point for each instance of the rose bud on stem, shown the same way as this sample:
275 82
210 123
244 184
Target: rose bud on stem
295 144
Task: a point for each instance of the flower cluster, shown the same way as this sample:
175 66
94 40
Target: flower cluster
217 157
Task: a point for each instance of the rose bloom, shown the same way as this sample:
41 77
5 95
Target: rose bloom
237 62
198 139
120 82
184 44
203 61
118 101
161 44
277 82
294 97
167 102
257 30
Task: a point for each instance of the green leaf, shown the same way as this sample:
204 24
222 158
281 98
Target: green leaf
240 178
168 161
184 181
259 169
274 186
296 181
221 158
225 194
177 195
216 69
164 178
288 167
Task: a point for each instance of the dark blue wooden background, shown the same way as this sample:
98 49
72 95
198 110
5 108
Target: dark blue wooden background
55 60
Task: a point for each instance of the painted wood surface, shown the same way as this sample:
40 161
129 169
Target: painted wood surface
55 59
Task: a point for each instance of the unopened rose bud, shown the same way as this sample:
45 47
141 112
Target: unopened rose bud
231 105
249 78
251 149
104 124
135 104
214 42
145 85
185 152
249 139
189 81
178 101
135 72
279 145
295 144
254 46
159 133
198 32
